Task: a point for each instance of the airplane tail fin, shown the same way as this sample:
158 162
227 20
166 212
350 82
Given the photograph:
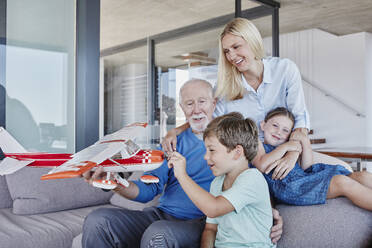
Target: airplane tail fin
8 144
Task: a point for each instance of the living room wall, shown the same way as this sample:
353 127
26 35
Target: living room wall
339 66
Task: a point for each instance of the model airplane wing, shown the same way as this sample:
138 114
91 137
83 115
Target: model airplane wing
88 158
11 165
129 132
8 144
116 152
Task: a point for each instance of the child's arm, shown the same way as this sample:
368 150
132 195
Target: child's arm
209 236
307 151
210 205
265 162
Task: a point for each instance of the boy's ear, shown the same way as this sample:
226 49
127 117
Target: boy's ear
238 152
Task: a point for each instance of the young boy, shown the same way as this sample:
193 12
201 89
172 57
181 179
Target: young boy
238 206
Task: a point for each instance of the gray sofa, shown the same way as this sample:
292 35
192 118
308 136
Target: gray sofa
45 214
50 214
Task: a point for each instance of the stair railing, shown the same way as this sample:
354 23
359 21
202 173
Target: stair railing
335 98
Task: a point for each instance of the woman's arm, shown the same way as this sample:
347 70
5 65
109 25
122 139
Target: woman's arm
169 142
307 151
209 236
265 162
295 98
210 205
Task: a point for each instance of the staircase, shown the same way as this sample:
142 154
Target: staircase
314 141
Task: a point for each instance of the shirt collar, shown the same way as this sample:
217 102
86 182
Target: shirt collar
266 77
246 85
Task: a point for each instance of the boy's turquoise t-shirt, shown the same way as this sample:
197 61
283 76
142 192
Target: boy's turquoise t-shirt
249 225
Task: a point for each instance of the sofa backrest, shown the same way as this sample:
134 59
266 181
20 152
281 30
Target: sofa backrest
34 196
5 199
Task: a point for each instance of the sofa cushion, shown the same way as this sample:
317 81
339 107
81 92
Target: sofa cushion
5 199
338 223
32 196
44 230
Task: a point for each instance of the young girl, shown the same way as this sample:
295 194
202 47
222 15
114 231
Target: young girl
306 183
238 206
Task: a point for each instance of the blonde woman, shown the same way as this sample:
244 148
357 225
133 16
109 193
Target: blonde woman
252 84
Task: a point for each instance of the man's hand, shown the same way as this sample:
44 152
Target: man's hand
283 166
277 228
90 176
169 142
178 163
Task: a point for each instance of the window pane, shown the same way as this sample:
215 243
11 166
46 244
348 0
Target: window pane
40 72
194 56
125 86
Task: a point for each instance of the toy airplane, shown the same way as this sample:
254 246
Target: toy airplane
115 152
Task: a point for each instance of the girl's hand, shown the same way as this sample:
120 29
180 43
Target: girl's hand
293 146
169 142
178 163
283 166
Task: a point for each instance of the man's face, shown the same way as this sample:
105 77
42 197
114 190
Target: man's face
198 105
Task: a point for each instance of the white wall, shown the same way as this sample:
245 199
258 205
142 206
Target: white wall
342 66
368 93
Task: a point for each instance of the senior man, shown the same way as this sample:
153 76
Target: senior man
176 221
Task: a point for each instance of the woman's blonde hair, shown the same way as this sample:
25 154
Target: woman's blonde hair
230 83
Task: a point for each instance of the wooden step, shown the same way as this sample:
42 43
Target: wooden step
317 141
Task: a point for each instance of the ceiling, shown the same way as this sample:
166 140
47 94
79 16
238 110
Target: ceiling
123 21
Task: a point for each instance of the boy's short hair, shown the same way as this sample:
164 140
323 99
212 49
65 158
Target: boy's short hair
232 130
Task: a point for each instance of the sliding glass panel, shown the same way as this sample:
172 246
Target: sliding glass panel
125 89
179 60
124 25
40 73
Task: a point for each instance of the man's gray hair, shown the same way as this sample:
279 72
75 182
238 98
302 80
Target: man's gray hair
195 80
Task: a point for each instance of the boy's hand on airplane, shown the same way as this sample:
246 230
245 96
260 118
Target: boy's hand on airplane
178 163
277 228
169 142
